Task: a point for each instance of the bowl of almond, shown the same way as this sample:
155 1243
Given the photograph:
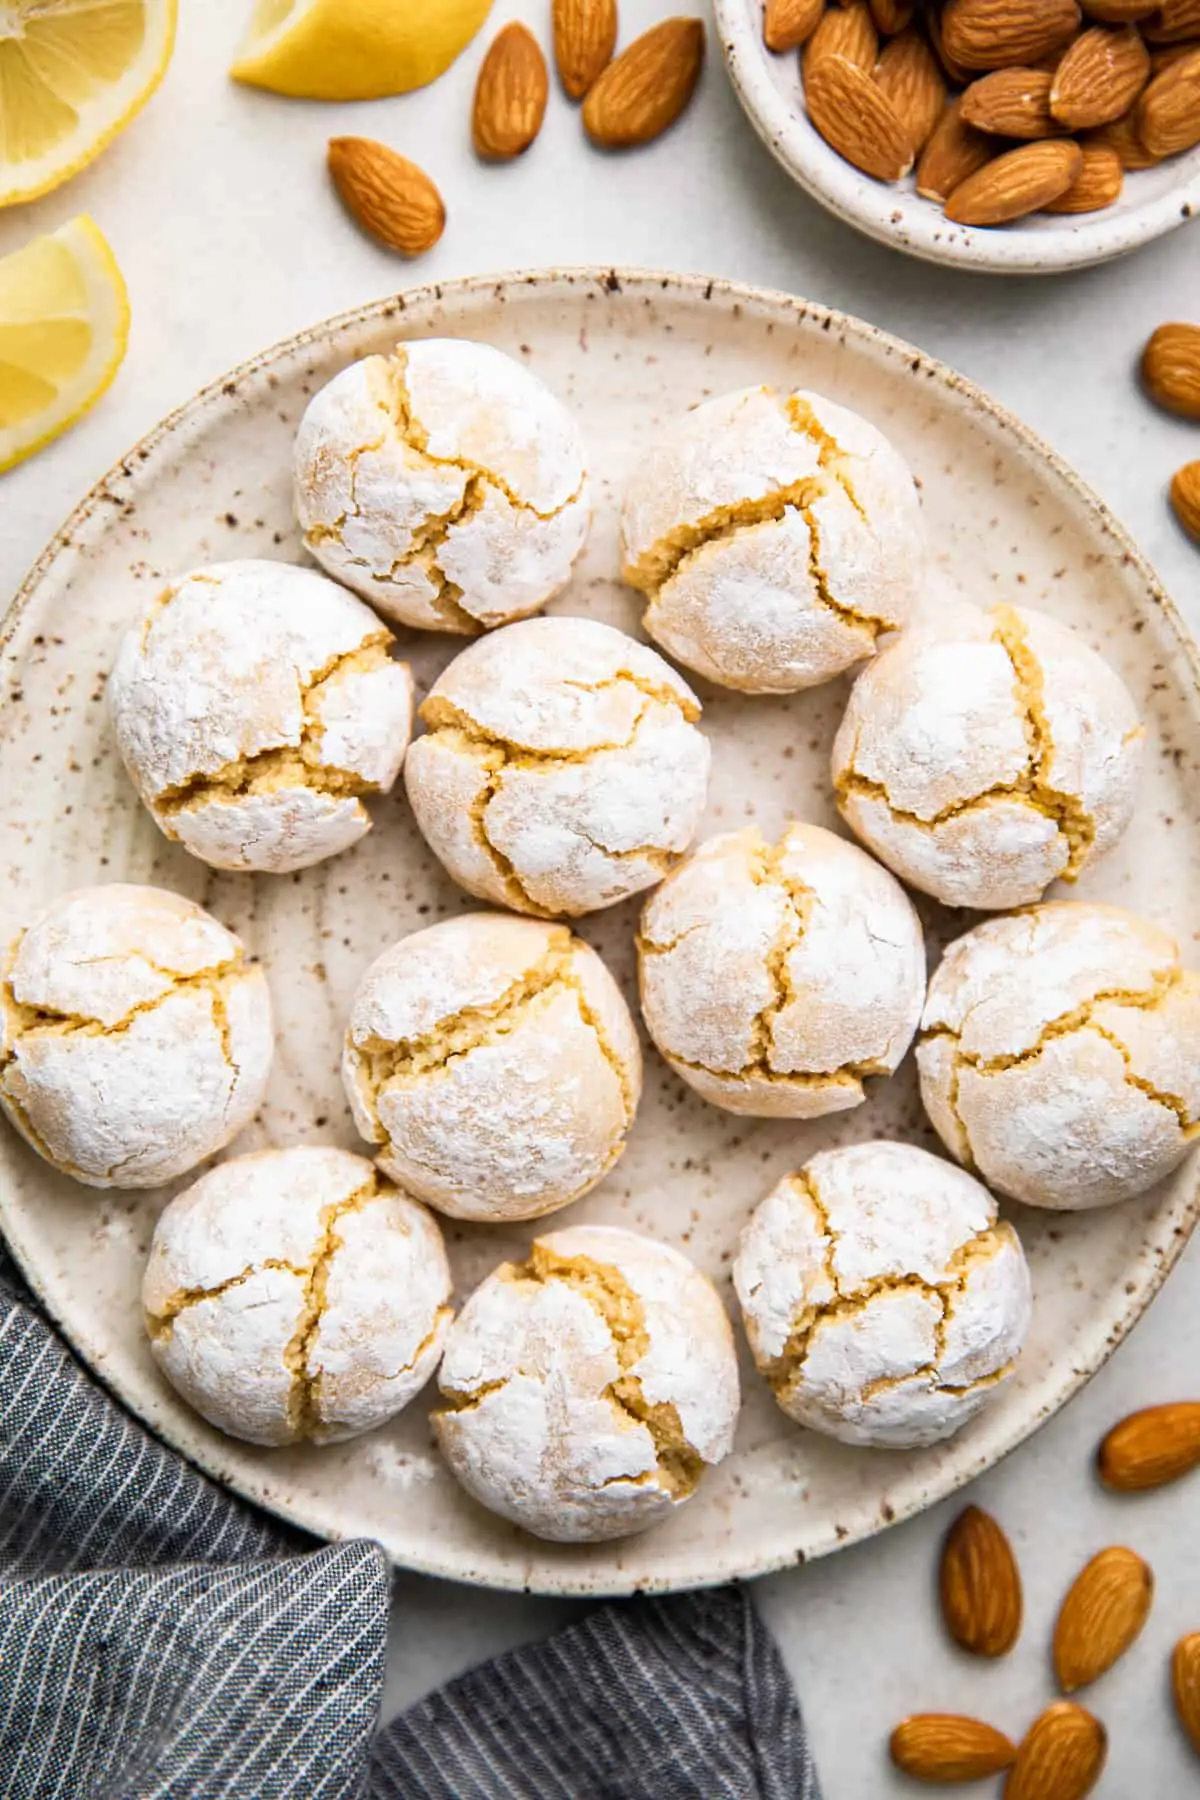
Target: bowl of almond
1016 136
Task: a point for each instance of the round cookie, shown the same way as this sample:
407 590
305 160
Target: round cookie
1060 1054
495 1063
775 537
984 757
135 1038
445 483
294 1295
562 769
884 1301
254 703
776 977
587 1390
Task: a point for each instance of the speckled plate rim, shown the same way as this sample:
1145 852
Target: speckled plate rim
1166 1237
898 217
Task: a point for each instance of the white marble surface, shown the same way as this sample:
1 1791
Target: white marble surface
218 209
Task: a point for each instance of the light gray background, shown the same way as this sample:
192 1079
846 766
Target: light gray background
217 206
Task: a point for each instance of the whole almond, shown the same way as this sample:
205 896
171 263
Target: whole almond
891 16
585 34
959 75
1100 77
1119 12
1160 1443
946 1747
389 196
1105 1608
1061 1756
1168 114
788 23
980 1585
954 151
994 34
1097 185
1185 498
1012 103
510 95
910 75
1019 182
644 91
1171 372
1173 21
854 116
1163 55
847 31
1122 137
1185 1686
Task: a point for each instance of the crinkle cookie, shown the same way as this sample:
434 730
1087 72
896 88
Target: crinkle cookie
254 703
884 1301
983 757
562 769
776 977
775 537
135 1037
495 1063
1060 1054
445 483
293 1294
586 1391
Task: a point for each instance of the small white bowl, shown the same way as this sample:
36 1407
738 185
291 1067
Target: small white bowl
769 87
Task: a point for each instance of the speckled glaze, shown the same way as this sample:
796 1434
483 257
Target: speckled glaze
1153 201
625 352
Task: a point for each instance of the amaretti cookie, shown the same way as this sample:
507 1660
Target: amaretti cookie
445 483
776 978
135 1035
562 769
884 1301
986 755
294 1294
1060 1054
775 537
254 704
494 1063
586 1391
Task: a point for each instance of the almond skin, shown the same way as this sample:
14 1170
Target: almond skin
854 116
1173 21
980 1585
1019 182
995 34
1012 103
1160 1443
1097 185
1185 498
1171 372
386 194
1168 113
946 1747
510 95
1185 1686
1061 1756
1119 12
891 16
585 35
1104 1610
911 77
788 23
1122 137
644 91
1163 55
1099 77
954 151
847 31
959 75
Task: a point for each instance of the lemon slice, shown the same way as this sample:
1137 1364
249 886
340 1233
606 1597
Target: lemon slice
64 324
72 75
353 49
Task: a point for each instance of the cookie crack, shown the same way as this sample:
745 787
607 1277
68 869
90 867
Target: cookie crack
25 1020
455 727
304 1397
159 1324
801 417
1077 825
664 559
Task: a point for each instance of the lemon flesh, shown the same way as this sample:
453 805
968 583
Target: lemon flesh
64 324
353 49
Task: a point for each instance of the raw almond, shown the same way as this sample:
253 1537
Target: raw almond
1160 1443
787 23
946 1747
1163 55
854 116
954 151
1168 113
847 31
1100 77
585 34
1106 1606
1119 12
389 196
1185 498
994 34
910 75
959 75
510 95
1012 103
644 91
1097 185
1171 372
1185 1683
891 16
980 1585
1019 182
1173 21
1061 1756
1122 137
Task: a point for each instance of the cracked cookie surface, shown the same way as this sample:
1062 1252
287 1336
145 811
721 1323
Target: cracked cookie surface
985 756
776 977
494 1062
254 703
884 1301
562 769
135 1037
587 1390
1060 1054
445 483
776 537
294 1295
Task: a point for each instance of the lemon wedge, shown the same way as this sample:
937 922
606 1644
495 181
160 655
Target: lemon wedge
64 324
72 75
353 49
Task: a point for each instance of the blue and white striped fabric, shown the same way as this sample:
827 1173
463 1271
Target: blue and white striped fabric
161 1641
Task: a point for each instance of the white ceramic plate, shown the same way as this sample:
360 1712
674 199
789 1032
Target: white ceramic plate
1154 201
625 352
